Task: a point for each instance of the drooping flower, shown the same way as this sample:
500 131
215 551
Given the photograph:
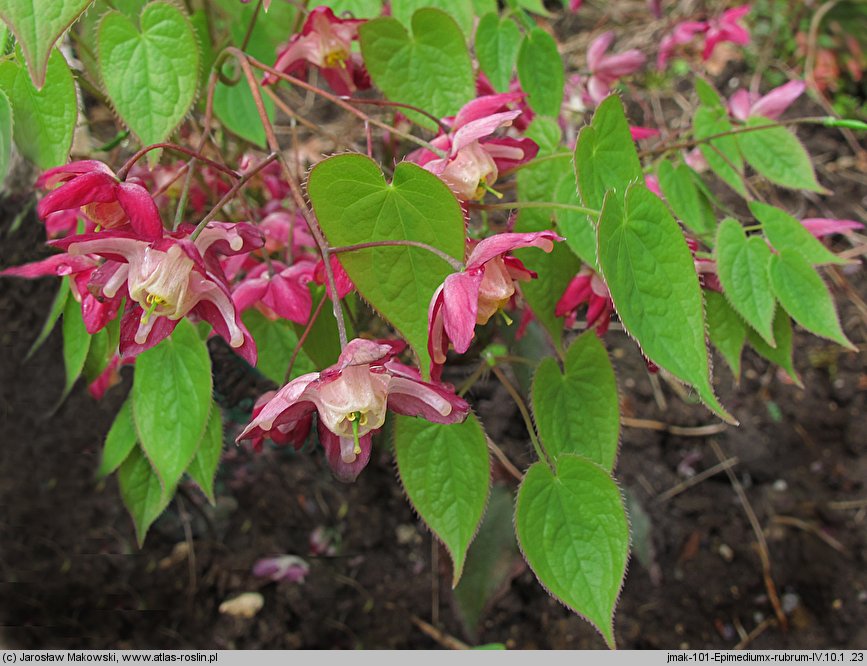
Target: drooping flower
724 28
474 158
351 399
475 294
606 69
168 279
823 226
110 203
587 288
683 33
278 291
743 104
325 41
282 568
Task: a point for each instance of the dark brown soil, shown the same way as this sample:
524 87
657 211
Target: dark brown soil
72 575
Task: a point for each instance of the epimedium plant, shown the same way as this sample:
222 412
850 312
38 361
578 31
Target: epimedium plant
355 288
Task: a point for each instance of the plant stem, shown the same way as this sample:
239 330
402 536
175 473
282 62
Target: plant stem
451 261
303 338
122 172
525 414
228 196
252 25
400 105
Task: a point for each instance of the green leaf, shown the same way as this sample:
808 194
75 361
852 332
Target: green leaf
5 136
742 266
44 119
574 534
708 95
460 10
776 154
446 473
430 69
785 233
354 204
605 155
781 355
204 465
150 72
270 31
803 294
577 410
686 200
171 393
141 491
98 355
490 560
497 44
726 330
362 9
322 345
722 155
76 343
276 341
120 441
540 71
535 6
651 276
37 25
546 133
57 308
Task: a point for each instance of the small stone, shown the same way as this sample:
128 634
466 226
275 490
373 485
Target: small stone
245 605
726 552
790 602
406 534
837 604
780 485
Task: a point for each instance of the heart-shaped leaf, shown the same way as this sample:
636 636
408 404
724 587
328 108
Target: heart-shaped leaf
786 233
574 534
150 72
37 25
5 136
44 119
742 266
171 393
460 10
540 71
651 276
446 472
430 69
142 494
776 154
577 411
497 44
354 204
689 203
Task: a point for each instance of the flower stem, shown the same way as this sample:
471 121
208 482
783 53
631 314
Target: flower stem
525 414
122 172
303 338
451 261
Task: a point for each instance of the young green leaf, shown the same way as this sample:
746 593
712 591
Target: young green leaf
742 266
37 25
235 108
171 393
651 276
140 63
460 10
354 204
577 411
142 494
786 233
446 473
726 330
804 295
546 133
497 44
686 200
780 355
57 308
722 154
204 465
5 136
540 71
322 345
276 341
430 69
44 119
574 534
98 355
120 441
605 155
708 95
76 343
490 560
776 154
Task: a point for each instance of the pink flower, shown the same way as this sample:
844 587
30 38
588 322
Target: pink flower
639 133
283 294
475 294
168 279
474 159
726 29
95 189
326 42
606 69
575 5
742 104
587 288
288 568
683 33
823 226
351 399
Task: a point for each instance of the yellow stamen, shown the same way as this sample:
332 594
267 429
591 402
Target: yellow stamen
483 184
357 449
506 318
336 58
152 301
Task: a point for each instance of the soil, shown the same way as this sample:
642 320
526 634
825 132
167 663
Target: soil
73 577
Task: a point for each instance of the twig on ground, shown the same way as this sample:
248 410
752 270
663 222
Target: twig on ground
444 639
681 431
676 490
755 633
791 521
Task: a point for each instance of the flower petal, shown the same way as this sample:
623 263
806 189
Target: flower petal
432 402
345 464
461 306
96 187
506 242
